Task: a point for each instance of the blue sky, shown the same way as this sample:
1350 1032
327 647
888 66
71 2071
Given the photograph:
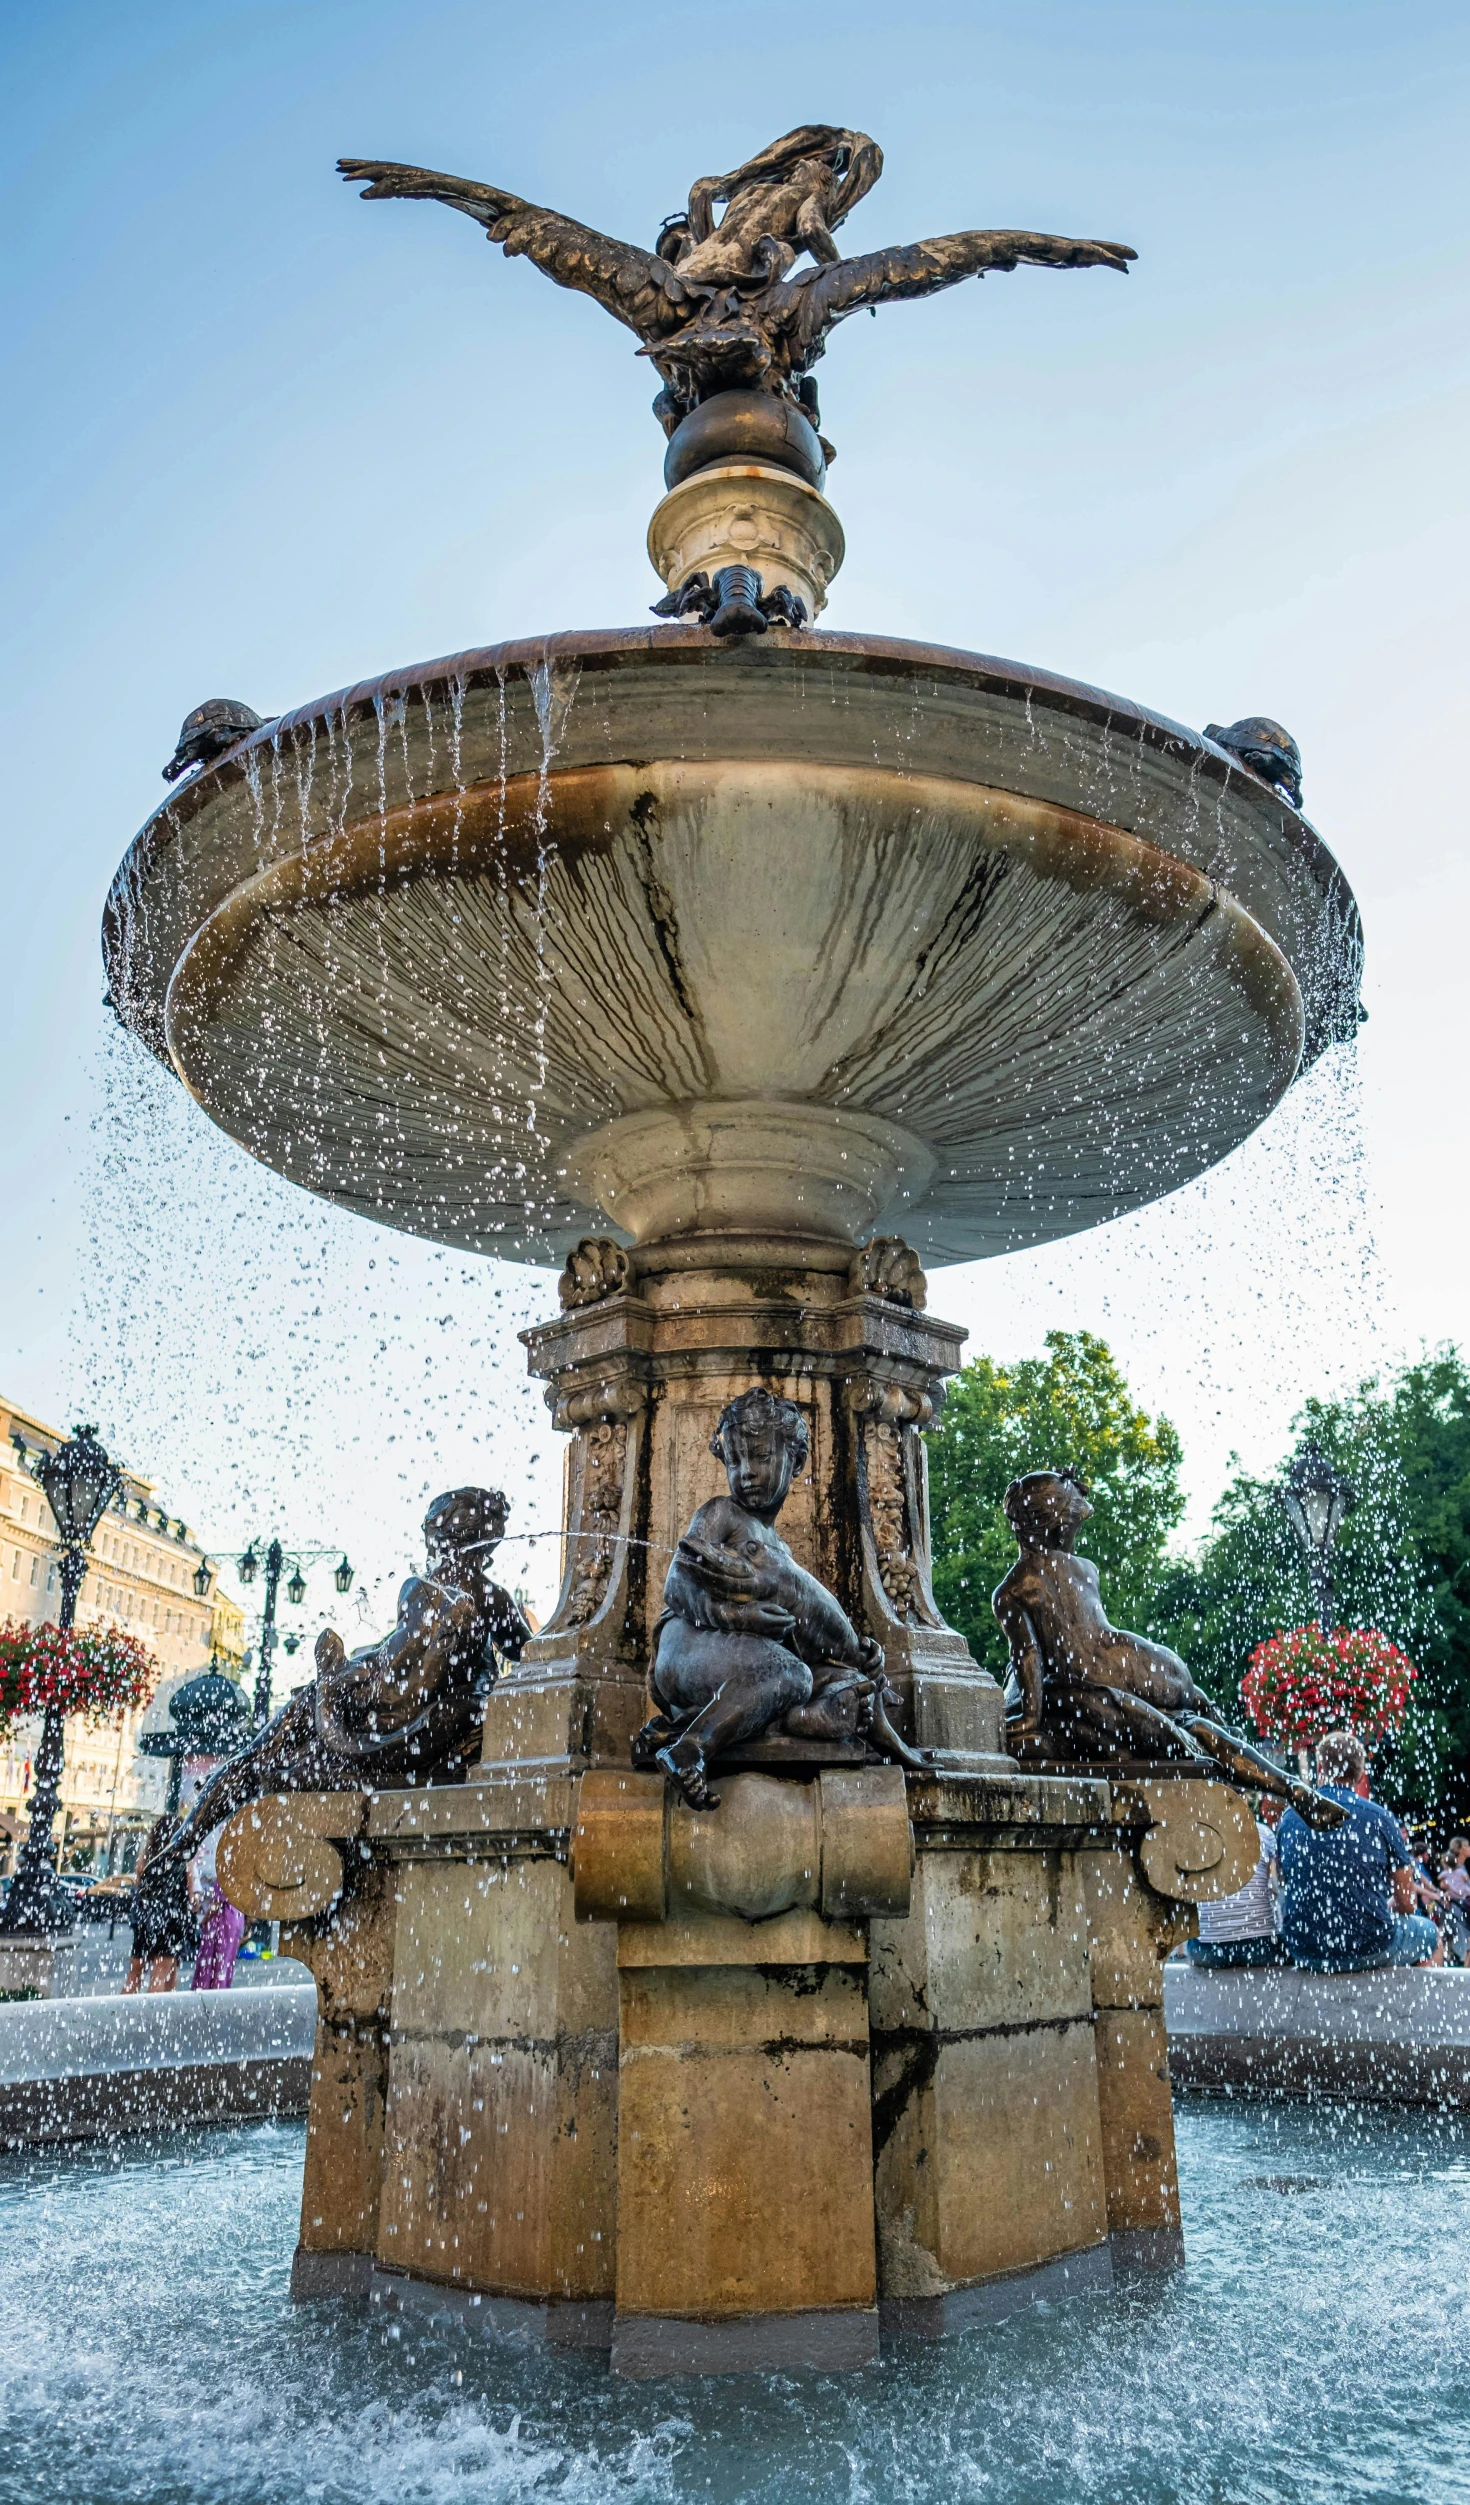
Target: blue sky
263 440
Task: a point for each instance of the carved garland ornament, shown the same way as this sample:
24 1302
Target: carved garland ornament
599 1414
604 1460
888 1508
890 1412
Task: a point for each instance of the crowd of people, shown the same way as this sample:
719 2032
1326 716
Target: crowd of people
1345 1899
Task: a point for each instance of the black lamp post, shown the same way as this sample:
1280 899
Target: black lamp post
275 1566
79 1483
1317 1502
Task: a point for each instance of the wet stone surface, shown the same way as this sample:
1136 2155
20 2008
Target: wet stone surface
1312 2348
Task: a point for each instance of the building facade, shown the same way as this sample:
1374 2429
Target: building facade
141 1577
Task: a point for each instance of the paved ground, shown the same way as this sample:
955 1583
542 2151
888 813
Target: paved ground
102 1962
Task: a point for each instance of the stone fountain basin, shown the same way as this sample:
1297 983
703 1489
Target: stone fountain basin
817 935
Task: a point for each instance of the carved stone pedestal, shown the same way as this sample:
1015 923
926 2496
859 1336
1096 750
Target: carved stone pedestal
737 2089
650 1348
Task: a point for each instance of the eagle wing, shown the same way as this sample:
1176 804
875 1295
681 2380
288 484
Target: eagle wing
814 302
637 288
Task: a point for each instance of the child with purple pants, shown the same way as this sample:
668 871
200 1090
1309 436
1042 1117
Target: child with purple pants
224 1924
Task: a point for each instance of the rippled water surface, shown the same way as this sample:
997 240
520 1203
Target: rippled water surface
1313 2349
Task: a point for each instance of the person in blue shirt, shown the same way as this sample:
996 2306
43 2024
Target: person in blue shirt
1348 1892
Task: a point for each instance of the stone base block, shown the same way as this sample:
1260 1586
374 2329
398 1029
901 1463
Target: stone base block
556 2323
994 2300
1146 2248
745 2162
315 2275
1137 2117
645 2346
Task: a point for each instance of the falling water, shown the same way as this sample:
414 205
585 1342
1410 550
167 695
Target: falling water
552 693
1235 1298
285 1363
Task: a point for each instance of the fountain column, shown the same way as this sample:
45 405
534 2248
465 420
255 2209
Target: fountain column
650 1347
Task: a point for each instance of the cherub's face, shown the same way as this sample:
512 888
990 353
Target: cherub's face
760 1464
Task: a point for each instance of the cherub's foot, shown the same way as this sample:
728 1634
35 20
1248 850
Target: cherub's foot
646 1743
683 1762
883 1736
1317 1810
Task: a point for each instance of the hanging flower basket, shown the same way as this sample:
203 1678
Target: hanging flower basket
97 1671
1311 1680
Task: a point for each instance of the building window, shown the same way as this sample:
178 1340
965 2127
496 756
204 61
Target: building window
15 1565
35 1568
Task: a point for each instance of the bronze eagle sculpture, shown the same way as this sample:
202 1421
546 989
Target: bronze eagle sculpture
719 303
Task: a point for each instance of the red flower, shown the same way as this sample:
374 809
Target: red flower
97 1671
1312 1680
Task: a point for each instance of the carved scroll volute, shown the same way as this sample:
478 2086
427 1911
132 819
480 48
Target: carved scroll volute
606 1418
893 1499
596 1269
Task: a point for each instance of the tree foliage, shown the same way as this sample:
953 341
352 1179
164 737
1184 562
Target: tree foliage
1402 1564
1071 1406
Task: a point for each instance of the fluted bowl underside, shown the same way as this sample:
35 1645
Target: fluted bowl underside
682 966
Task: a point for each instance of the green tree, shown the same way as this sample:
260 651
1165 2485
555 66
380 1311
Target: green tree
1402 1564
1071 1406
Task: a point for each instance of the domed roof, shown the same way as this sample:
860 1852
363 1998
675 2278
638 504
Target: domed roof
210 1718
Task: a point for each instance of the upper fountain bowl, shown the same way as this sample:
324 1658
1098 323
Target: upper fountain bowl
814 936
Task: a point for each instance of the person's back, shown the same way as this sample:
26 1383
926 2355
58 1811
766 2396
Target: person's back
1244 1929
1338 1914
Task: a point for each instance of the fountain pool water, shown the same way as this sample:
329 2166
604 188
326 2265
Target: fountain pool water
149 2352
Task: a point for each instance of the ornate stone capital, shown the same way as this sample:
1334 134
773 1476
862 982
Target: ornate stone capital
890 1403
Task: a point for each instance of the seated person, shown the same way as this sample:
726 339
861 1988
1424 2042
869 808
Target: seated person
1454 1880
1454 1877
1245 1929
1348 1895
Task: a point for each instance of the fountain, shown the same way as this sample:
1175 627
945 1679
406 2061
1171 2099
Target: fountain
743 968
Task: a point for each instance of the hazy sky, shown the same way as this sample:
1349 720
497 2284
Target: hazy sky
264 440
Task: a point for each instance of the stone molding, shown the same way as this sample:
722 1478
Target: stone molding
841 1846
749 513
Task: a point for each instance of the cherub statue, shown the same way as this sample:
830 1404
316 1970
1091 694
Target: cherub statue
1083 1690
749 1641
719 305
404 1711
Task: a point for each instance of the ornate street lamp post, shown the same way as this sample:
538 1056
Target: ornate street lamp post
79 1483
275 1566
1317 1501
